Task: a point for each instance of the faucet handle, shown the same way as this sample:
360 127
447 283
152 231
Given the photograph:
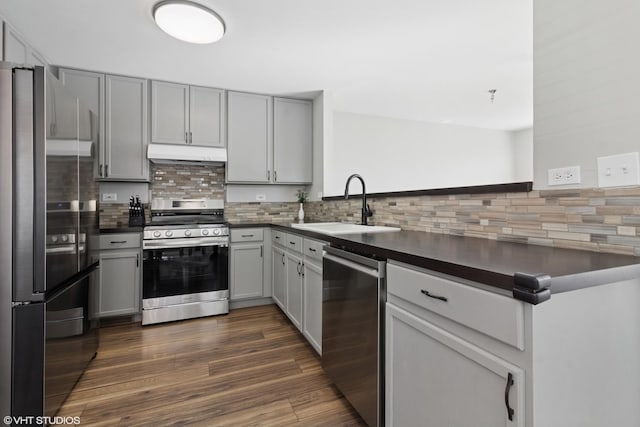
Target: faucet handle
368 212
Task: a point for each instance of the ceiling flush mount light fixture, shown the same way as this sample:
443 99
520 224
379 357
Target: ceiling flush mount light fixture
492 94
188 21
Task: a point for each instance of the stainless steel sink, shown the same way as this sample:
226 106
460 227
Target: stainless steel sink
335 228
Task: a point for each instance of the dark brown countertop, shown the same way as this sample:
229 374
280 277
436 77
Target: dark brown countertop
543 270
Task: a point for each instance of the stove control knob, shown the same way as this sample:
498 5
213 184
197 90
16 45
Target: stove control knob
168 233
54 239
216 231
205 232
156 234
187 233
64 238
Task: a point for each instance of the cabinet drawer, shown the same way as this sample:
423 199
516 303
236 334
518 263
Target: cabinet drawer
495 315
313 249
278 237
119 241
293 242
247 235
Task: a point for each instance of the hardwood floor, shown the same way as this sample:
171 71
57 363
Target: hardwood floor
248 368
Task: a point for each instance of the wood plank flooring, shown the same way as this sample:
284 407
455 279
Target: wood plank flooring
248 368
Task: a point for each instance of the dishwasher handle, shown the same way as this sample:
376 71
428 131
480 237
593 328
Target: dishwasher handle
361 268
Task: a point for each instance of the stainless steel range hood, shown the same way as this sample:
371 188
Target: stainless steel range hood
169 153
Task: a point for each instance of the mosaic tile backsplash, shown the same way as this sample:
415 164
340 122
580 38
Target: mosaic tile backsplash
600 220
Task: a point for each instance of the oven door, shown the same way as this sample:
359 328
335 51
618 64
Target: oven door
192 273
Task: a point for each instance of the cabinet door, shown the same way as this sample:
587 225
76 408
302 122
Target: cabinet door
279 279
249 137
206 116
292 141
294 289
169 113
119 283
312 325
126 128
15 48
89 88
436 378
246 271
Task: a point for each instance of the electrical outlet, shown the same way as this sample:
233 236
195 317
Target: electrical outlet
564 176
619 170
261 197
109 197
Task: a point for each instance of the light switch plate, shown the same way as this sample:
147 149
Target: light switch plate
619 170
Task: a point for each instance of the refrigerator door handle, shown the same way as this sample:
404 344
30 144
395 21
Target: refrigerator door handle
29 210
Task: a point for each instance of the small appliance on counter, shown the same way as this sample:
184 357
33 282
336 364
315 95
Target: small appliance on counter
136 212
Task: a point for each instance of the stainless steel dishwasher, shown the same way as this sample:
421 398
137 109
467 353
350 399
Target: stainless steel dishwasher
353 297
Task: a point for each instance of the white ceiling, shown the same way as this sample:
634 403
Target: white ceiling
429 60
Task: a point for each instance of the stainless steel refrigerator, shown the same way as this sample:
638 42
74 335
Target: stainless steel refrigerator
48 212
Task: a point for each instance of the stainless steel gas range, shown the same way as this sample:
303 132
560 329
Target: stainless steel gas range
185 261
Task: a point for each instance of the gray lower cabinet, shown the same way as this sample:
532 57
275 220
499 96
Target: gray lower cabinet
118 289
279 276
246 262
126 126
183 114
312 296
435 378
294 305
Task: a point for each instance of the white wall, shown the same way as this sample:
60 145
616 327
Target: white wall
322 134
396 155
586 84
523 155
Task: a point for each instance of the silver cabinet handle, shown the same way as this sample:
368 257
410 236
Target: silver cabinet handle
275 176
260 251
268 175
106 171
137 260
101 169
190 137
186 137
247 235
283 258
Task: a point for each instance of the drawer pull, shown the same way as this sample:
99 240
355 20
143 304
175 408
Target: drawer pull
292 243
424 292
312 250
247 235
277 237
507 389
113 242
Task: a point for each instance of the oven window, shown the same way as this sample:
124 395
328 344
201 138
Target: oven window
181 271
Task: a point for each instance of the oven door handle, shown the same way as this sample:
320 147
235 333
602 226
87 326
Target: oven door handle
184 243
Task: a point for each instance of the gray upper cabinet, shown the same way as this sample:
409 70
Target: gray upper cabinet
89 88
270 140
183 114
249 137
126 125
292 141
206 116
121 106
